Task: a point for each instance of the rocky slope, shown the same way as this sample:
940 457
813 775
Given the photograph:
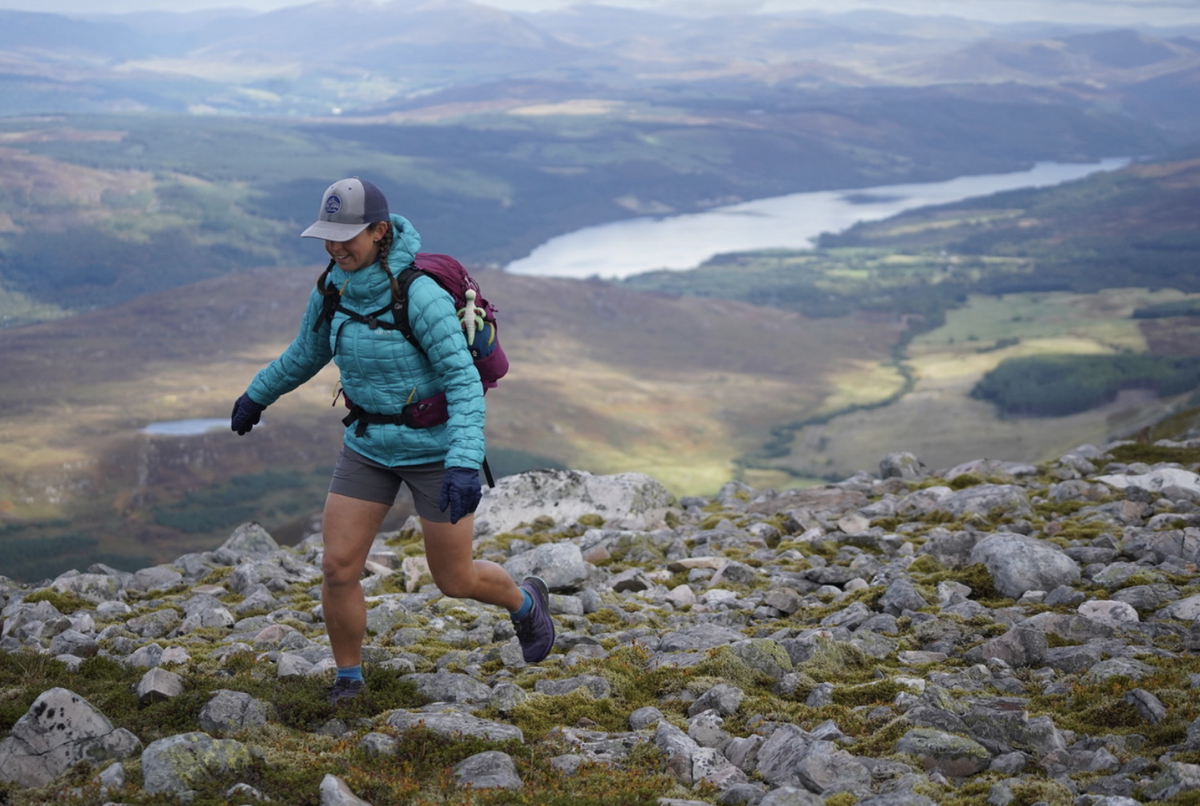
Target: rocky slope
993 633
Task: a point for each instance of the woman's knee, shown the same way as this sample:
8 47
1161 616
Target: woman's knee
339 570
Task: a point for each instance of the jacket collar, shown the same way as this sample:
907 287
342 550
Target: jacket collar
371 284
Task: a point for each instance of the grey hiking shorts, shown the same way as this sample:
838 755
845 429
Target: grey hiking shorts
357 476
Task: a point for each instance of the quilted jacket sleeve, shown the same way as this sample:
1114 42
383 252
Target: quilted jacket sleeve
303 358
436 327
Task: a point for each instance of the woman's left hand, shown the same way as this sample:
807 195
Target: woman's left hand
461 492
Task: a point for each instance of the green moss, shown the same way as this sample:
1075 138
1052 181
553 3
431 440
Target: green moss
64 602
604 615
841 799
633 682
1050 510
542 523
539 714
394 583
723 666
1189 798
591 520
840 663
1154 454
976 577
826 549
217 576
881 741
925 564
1074 530
1028 791
965 480
300 702
1141 577
878 693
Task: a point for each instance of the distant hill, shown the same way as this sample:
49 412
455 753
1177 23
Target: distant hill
1110 58
1027 321
156 201
1134 227
602 378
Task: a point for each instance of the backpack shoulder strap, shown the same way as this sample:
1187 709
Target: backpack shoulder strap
400 314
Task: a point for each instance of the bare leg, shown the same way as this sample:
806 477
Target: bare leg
450 552
350 526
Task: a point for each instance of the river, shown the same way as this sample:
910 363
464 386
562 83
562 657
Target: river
638 245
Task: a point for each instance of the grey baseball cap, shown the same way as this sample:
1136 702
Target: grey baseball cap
347 208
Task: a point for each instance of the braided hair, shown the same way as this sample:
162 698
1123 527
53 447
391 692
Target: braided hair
385 246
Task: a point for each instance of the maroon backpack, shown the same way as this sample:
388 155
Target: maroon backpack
450 275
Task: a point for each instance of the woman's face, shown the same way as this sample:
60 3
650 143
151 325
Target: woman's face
360 251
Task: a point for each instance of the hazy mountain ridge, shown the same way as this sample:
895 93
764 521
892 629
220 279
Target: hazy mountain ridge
288 60
1114 58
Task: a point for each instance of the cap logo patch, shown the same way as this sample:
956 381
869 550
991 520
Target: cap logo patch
333 204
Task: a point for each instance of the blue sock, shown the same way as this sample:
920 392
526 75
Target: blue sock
526 606
352 672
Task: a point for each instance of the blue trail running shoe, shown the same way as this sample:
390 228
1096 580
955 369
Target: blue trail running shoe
344 689
536 631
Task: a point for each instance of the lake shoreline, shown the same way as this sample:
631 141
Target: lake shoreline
624 248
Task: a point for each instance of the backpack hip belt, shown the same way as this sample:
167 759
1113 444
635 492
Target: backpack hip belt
424 413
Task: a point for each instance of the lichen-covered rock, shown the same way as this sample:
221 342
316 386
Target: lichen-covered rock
58 731
953 756
560 565
232 711
451 724
176 764
336 792
1019 564
901 465
491 769
250 540
567 495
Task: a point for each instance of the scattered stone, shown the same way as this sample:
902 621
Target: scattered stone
770 591
1149 707
336 792
174 764
488 770
1018 563
157 685
567 495
953 756
231 712
58 731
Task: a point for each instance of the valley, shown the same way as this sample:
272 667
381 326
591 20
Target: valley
155 174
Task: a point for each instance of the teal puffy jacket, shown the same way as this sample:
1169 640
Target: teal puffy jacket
381 371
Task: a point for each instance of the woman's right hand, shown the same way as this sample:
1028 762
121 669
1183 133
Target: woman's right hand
246 414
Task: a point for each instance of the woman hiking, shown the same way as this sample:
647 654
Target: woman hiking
381 372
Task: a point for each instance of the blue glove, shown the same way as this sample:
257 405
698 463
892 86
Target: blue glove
461 492
246 414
